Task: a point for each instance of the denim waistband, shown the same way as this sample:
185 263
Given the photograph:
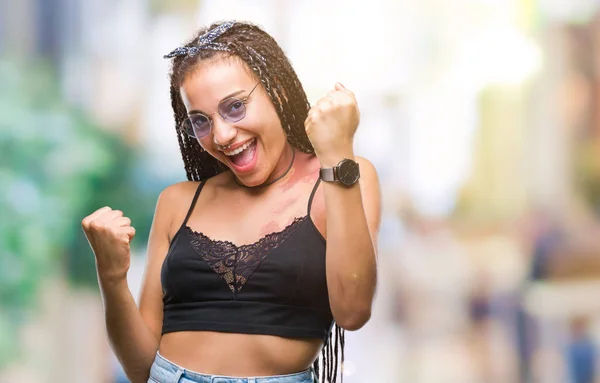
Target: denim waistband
166 371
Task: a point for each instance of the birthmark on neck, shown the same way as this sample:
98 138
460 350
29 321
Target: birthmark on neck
306 171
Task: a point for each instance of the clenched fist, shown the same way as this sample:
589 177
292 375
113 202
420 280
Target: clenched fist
331 124
109 234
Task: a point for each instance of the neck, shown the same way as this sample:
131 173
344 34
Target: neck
274 177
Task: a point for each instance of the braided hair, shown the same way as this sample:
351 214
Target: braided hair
268 63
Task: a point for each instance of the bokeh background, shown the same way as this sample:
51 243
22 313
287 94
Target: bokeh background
482 118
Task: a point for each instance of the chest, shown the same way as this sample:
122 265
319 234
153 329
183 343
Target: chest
287 267
244 221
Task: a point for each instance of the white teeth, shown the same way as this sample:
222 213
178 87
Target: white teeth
240 149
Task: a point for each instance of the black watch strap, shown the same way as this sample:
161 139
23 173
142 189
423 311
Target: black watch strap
328 174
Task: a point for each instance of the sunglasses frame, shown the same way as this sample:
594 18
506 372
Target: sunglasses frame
244 101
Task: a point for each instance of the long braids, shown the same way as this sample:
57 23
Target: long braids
261 53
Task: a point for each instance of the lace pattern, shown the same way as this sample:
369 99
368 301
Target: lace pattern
235 264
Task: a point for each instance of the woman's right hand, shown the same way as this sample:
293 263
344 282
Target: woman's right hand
109 234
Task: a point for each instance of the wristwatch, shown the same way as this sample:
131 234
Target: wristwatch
346 172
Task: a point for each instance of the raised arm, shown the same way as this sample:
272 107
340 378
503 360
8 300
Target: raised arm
352 213
134 334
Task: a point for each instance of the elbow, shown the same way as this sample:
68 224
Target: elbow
137 375
142 378
355 320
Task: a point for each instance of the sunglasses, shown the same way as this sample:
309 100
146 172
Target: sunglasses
231 109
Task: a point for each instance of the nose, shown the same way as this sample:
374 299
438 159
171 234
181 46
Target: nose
223 132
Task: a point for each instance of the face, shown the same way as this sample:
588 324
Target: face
257 141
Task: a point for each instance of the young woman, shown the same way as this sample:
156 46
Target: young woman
267 253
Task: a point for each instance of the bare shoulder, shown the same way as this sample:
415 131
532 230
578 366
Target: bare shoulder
369 181
371 195
174 196
177 191
367 170
171 208
175 200
172 205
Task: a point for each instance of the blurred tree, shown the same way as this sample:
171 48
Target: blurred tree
587 173
55 167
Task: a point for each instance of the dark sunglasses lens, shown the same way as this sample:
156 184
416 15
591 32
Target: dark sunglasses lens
232 109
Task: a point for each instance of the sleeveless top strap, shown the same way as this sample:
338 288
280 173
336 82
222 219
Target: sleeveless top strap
312 194
200 186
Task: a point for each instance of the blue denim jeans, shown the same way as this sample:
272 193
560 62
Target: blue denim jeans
164 371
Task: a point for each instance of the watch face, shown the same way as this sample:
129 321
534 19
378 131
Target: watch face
347 172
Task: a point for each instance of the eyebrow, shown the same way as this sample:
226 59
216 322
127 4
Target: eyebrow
196 111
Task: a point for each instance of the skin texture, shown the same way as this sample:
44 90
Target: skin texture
347 217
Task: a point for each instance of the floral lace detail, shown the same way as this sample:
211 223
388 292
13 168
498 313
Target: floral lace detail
235 264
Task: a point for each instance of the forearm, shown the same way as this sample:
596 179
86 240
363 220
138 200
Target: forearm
132 341
351 255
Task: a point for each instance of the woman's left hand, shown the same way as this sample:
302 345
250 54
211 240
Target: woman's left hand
331 125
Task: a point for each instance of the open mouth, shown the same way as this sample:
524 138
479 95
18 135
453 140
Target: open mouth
243 157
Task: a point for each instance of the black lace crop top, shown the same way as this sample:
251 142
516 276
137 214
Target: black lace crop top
275 286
